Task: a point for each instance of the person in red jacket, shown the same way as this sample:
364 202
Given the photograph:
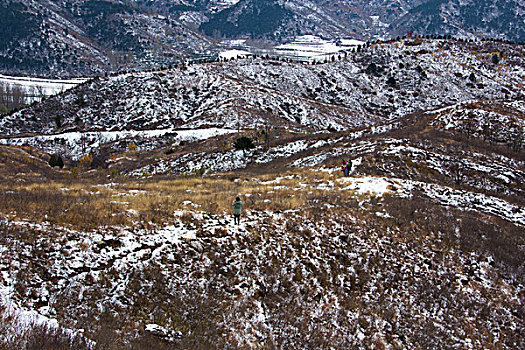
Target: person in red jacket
347 165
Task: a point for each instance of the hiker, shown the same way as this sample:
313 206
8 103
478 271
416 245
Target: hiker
347 166
237 206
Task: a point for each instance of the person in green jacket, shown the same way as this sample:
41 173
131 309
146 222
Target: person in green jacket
237 206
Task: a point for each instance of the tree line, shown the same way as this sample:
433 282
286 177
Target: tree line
13 97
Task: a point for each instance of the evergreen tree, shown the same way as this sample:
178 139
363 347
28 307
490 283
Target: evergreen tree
58 121
56 160
243 143
391 82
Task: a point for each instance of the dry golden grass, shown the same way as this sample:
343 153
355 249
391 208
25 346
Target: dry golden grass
88 205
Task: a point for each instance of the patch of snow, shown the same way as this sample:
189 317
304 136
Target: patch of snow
311 46
362 185
229 54
81 143
37 88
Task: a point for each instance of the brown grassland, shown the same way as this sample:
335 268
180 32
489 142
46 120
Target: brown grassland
82 204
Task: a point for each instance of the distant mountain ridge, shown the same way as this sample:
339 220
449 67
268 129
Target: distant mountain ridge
489 18
250 18
90 37
71 38
385 19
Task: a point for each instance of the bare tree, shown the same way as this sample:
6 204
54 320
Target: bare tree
40 93
3 94
456 172
267 131
517 139
495 131
486 131
469 126
12 97
3 99
18 97
83 142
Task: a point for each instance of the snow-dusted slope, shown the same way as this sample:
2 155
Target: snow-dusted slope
381 19
466 18
133 244
381 82
366 261
88 37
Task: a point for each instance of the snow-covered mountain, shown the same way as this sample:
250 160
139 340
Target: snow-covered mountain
489 18
89 37
370 20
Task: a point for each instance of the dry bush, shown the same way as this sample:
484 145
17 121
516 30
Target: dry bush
148 341
50 338
215 195
152 209
468 231
40 203
499 239
15 334
210 194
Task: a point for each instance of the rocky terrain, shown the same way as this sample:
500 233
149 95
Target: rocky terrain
131 244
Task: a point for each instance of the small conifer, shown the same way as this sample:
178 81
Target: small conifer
56 160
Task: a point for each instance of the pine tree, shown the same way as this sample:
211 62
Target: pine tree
56 160
243 143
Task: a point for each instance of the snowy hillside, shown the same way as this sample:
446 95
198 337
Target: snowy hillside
470 18
404 260
353 89
90 37
129 242
87 37
370 20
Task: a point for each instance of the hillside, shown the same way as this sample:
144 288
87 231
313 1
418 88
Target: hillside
61 39
377 84
238 20
369 20
493 18
408 251
131 245
87 38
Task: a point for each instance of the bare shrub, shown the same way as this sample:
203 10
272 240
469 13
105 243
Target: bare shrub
499 240
43 337
16 334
